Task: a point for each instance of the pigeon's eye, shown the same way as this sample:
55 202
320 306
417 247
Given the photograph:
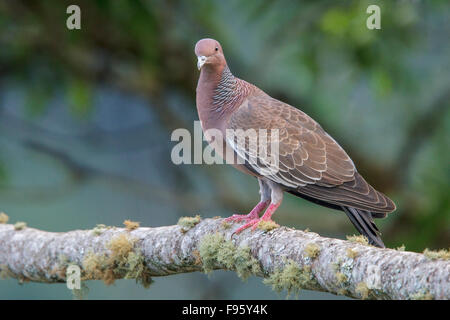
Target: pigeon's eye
217 49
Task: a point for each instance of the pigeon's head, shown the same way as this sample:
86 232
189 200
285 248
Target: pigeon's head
209 53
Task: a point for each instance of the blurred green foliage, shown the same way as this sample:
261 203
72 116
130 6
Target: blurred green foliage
79 93
3 175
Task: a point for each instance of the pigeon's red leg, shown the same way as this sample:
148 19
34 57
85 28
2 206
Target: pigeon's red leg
254 214
266 217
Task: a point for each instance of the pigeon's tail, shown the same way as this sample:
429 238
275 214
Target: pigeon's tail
362 220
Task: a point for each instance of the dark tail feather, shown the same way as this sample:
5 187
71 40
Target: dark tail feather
362 220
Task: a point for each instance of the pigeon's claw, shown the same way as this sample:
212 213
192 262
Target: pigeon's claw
242 217
254 214
252 223
266 217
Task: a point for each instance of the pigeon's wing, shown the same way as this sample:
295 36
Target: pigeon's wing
310 161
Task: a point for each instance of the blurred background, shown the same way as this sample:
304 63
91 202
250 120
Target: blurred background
86 117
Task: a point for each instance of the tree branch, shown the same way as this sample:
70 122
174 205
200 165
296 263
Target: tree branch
287 258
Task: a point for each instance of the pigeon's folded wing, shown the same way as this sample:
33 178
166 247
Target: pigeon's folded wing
309 160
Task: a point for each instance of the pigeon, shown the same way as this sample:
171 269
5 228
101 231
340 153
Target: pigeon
310 163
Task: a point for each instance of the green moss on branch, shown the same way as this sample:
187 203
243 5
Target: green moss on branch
291 278
214 249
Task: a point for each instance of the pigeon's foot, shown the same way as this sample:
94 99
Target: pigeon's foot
266 218
254 223
242 217
254 214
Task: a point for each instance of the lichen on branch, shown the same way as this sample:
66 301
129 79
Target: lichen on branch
214 249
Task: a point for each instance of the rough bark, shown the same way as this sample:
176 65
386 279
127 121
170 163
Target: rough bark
336 266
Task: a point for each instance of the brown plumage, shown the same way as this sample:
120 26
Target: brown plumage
311 164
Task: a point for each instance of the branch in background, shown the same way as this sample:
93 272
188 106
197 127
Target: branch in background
286 258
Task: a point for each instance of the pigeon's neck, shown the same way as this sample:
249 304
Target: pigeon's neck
226 92
221 93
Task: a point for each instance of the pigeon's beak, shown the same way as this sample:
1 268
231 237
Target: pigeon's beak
201 61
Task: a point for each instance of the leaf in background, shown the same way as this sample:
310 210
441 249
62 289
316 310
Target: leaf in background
79 95
3 174
381 82
335 22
